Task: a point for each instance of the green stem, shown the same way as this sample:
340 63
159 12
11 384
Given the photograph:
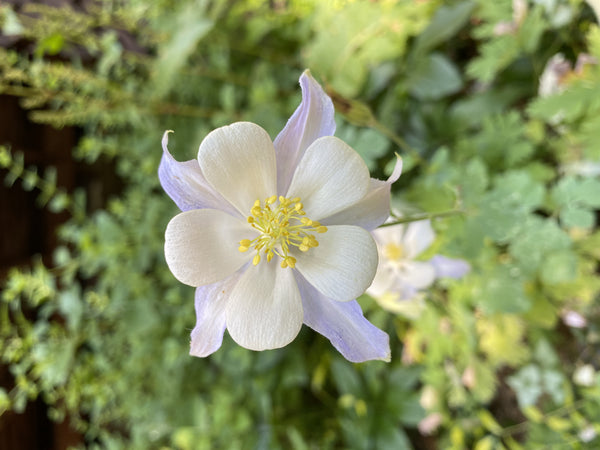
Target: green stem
424 216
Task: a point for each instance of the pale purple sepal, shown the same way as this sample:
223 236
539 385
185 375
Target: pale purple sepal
373 209
314 118
210 301
343 323
186 185
449 267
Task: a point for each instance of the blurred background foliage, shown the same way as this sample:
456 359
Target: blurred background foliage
505 358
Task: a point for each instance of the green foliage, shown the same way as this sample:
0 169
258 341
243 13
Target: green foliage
101 332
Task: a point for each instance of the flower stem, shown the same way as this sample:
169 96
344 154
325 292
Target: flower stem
424 216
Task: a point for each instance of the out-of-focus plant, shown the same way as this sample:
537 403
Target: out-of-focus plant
505 357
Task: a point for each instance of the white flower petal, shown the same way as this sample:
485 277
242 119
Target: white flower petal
210 302
373 209
330 177
416 274
264 310
186 185
384 279
389 235
238 160
201 246
418 236
343 265
313 119
343 323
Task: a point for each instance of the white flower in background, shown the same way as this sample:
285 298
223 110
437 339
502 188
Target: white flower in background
574 319
555 79
585 375
429 424
587 434
551 80
400 277
559 71
276 234
584 168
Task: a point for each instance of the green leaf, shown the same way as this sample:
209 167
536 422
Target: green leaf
489 422
51 45
346 379
533 413
573 217
569 105
191 24
545 354
486 443
527 384
495 55
553 382
535 240
434 77
572 190
559 267
500 339
542 313
502 291
350 40
391 437
371 145
71 307
471 110
531 29
475 180
446 22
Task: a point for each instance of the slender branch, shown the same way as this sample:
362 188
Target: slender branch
424 216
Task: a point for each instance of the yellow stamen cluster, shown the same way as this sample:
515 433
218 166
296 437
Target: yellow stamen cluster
393 252
281 227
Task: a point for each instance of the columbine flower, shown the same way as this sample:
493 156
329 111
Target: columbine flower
399 276
276 234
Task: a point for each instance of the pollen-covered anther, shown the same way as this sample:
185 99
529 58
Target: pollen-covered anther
244 245
289 261
281 227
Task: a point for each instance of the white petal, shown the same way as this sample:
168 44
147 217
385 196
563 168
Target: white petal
343 265
313 119
344 325
201 246
264 310
330 177
383 281
238 160
417 238
416 274
390 235
210 301
373 209
186 185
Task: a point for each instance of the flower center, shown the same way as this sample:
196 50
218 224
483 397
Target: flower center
393 252
281 227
